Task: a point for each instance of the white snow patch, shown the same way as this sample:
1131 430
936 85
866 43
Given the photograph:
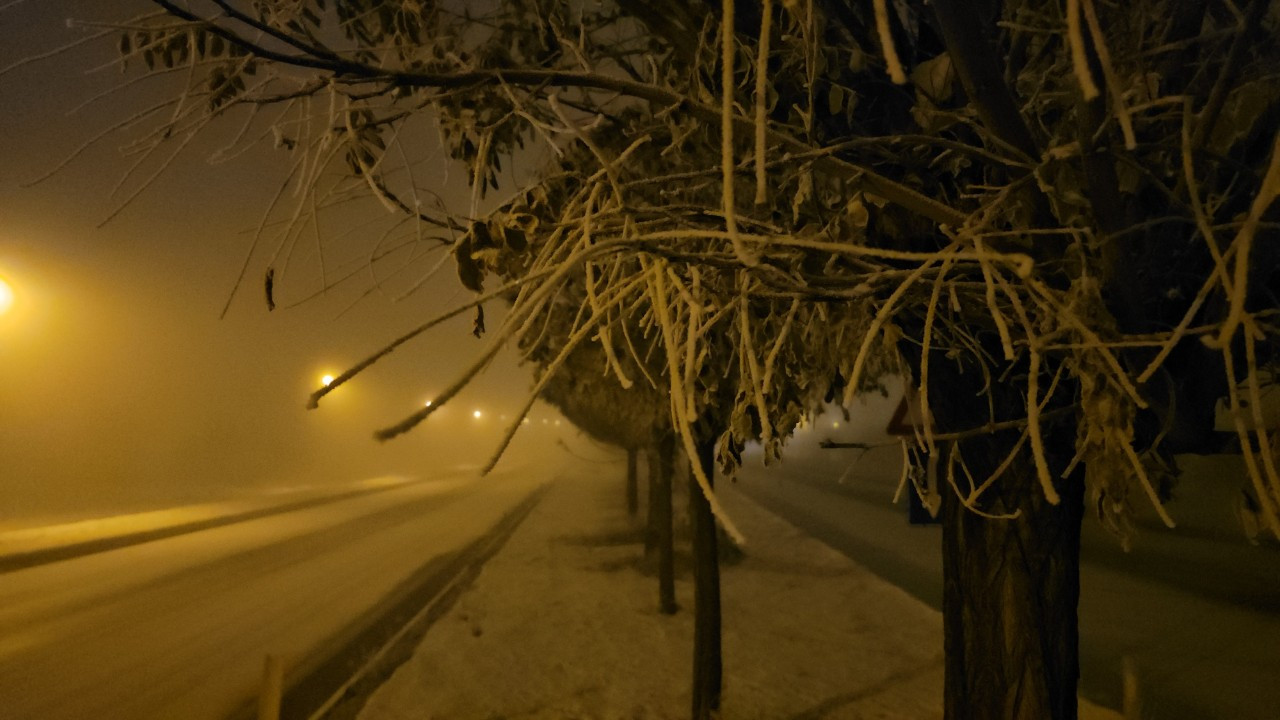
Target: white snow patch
31 539
561 625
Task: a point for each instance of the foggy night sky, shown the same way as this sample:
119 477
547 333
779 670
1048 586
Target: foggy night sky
120 388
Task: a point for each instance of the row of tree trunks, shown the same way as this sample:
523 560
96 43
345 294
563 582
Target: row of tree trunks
659 539
1011 587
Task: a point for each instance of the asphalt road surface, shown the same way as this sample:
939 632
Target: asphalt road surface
1199 617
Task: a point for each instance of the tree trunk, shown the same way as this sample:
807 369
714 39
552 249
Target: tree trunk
706 594
660 486
653 463
1010 594
633 489
1011 587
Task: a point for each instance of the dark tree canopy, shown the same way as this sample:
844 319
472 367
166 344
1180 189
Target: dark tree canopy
1057 217
1089 184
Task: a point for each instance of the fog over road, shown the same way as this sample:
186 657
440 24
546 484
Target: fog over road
180 627
1199 616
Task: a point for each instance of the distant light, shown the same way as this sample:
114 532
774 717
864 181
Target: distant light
6 296
544 421
835 425
476 414
428 403
524 421
557 423
327 380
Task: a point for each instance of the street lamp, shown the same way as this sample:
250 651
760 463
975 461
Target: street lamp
6 296
327 380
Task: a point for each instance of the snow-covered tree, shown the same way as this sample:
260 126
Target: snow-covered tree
628 415
595 406
1059 213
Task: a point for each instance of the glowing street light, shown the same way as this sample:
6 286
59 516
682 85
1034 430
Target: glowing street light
327 380
476 414
6 296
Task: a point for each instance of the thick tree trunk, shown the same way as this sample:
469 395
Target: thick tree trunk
1011 587
661 486
706 594
633 488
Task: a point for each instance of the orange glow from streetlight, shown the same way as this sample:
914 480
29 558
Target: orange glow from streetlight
476 414
326 380
6 296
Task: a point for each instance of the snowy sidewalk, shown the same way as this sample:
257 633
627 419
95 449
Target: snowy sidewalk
562 624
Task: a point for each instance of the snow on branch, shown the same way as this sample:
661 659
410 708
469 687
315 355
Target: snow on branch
748 243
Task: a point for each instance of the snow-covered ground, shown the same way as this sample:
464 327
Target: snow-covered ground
177 629
562 624
29 538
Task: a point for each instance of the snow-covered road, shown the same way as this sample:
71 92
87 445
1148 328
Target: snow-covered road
180 627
